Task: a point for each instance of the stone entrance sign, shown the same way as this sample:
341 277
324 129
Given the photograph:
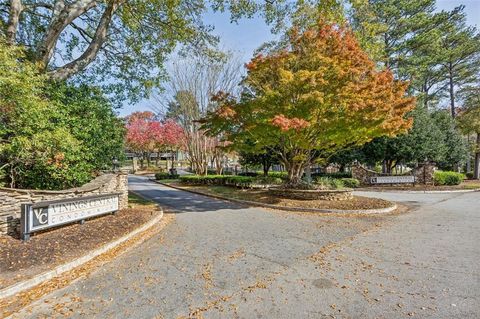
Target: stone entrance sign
423 174
393 179
43 215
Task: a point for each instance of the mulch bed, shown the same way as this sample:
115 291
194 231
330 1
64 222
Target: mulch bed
44 251
263 196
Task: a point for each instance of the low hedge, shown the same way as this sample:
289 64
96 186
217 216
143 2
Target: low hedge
275 174
160 176
238 181
229 180
333 175
350 182
448 178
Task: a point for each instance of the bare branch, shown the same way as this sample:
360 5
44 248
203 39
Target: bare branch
92 50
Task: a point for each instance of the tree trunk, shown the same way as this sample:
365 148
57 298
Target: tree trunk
295 173
451 89
476 172
266 167
148 160
425 90
174 158
13 18
469 156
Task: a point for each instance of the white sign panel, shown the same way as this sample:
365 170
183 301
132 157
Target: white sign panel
393 179
44 215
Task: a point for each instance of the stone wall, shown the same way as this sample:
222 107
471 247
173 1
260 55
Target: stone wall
11 198
423 174
332 195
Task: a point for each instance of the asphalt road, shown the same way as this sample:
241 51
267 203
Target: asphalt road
222 260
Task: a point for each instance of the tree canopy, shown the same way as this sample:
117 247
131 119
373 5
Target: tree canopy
119 44
315 96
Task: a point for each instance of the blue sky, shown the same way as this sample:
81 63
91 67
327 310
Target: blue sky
248 34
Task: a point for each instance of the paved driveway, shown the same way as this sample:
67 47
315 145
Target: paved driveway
222 260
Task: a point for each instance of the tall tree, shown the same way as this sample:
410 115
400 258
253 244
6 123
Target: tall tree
469 122
122 44
193 84
144 134
316 96
385 27
459 55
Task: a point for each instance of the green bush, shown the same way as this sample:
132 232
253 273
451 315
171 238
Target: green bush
52 136
333 175
229 180
160 176
282 175
329 183
448 178
269 180
350 182
250 174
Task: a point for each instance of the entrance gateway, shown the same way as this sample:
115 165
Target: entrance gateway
44 215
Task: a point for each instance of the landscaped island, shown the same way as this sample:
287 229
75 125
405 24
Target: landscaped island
330 193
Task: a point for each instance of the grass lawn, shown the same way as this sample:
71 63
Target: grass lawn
168 181
135 200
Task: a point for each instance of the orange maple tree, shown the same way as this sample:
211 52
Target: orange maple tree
317 95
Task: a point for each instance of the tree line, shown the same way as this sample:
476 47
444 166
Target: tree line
435 52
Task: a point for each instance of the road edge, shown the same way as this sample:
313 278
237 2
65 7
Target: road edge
418 192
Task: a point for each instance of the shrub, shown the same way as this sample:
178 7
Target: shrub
333 175
282 175
469 175
350 182
329 183
448 178
160 176
238 181
250 174
268 180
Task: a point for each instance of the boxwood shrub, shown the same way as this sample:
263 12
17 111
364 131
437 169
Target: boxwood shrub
229 180
448 178
329 183
238 181
351 182
333 175
160 176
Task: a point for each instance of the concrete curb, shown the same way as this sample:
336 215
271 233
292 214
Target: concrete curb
292 209
29 283
418 192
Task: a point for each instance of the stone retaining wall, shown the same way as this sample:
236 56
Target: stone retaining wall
11 198
332 195
423 174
